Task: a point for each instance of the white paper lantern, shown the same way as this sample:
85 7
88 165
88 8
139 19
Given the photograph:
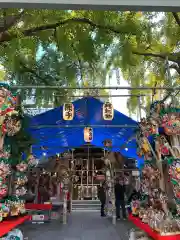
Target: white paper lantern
68 111
88 134
108 111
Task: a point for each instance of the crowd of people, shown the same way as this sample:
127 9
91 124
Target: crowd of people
120 201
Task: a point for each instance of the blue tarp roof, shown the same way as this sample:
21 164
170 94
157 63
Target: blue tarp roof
88 111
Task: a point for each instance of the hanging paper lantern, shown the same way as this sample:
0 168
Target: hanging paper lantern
88 134
68 111
108 111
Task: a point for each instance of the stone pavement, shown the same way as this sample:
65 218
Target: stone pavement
81 226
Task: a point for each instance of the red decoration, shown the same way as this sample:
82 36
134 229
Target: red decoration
7 226
33 206
146 228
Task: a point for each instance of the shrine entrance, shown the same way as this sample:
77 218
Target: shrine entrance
88 167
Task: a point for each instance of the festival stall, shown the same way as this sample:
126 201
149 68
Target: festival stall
12 171
158 141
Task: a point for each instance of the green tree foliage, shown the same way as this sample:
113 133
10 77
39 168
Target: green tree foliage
86 45
48 69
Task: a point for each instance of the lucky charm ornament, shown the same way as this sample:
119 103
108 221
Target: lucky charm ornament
22 167
9 117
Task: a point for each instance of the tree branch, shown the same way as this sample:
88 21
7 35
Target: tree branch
10 21
176 17
32 31
44 80
173 57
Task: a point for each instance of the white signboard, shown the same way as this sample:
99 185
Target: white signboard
38 217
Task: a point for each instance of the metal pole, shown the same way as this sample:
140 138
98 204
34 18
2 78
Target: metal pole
83 126
65 208
87 175
101 96
88 88
139 105
82 171
72 180
77 147
137 110
68 147
92 180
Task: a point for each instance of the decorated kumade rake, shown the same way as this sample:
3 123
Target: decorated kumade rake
174 173
164 147
10 124
20 180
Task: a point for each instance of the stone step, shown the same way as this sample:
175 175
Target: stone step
85 205
85 210
88 202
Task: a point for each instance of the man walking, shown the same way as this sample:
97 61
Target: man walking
102 197
119 196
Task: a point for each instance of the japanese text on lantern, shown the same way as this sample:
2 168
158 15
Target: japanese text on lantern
68 111
88 134
108 111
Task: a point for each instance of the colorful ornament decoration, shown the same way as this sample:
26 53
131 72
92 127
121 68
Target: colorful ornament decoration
22 167
15 205
108 111
32 161
4 172
154 211
68 111
174 173
171 124
144 148
135 205
20 180
10 124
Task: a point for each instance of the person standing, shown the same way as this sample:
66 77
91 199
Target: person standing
102 197
120 198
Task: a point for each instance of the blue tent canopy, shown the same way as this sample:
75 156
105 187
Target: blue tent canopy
53 137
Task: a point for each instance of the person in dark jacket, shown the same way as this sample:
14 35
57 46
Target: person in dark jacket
102 197
120 198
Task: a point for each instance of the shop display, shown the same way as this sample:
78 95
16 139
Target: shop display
174 173
12 175
138 235
10 124
4 173
164 148
20 180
